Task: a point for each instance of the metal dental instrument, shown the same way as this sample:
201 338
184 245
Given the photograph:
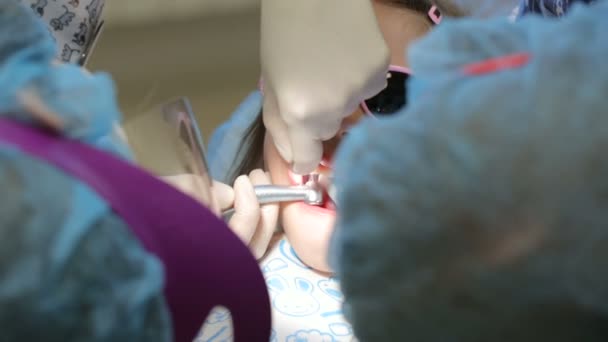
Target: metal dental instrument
310 193
167 142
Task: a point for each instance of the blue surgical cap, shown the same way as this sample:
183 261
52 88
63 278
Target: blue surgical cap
478 213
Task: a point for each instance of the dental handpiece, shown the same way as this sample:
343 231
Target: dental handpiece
275 194
327 183
309 193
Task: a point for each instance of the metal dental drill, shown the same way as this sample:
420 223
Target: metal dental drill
311 192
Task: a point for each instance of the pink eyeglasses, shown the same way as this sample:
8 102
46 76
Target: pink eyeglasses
392 98
434 15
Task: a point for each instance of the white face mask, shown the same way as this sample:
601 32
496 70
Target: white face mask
73 23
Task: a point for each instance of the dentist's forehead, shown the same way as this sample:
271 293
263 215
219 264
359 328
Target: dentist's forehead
70 22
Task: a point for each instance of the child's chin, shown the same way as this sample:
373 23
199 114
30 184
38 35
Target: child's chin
309 229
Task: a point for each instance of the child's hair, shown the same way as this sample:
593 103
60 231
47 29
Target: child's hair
252 143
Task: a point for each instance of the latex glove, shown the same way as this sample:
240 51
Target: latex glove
253 223
320 59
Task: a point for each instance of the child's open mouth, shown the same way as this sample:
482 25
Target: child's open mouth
324 169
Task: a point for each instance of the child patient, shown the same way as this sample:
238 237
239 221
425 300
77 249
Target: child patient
292 239
485 216
240 151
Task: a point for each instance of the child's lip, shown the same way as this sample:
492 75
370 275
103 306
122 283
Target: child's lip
327 162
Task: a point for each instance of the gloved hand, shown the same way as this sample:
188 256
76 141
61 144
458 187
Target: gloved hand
252 223
319 60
